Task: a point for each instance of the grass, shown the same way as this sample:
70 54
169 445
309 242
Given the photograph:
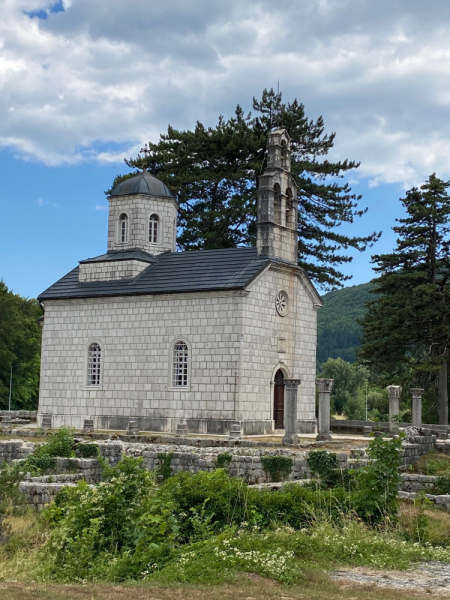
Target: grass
248 587
433 463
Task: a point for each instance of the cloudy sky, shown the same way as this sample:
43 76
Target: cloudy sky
84 83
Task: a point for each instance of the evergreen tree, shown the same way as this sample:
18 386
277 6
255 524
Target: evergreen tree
406 331
214 170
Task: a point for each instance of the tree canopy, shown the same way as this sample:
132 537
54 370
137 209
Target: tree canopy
214 170
406 331
20 339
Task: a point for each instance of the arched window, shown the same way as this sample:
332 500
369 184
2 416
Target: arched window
284 155
180 364
94 364
123 228
290 209
153 229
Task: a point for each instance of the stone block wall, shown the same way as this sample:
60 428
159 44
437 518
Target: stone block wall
263 354
139 209
14 450
30 415
110 270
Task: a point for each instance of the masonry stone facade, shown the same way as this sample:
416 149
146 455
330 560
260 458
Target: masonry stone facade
206 337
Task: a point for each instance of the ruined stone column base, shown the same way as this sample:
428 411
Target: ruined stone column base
133 427
46 422
323 437
182 429
235 431
291 439
88 426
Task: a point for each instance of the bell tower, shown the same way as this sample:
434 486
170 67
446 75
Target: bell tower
277 202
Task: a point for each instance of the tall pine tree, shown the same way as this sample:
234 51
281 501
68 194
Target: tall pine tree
214 170
406 331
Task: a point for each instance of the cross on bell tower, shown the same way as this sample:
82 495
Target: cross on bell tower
277 202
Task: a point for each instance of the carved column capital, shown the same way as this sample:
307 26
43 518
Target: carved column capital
417 392
325 385
394 391
292 383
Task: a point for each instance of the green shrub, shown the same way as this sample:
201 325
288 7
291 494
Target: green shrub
278 467
164 469
38 465
228 501
223 460
442 485
87 451
112 531
60 444
325 466
379 481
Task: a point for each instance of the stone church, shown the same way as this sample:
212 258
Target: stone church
205 337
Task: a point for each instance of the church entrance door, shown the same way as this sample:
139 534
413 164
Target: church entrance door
278 400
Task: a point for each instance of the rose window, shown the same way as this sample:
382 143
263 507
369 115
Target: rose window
281 303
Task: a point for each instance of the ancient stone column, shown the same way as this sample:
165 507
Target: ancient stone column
417 394
324 386
182 429
46 421
235 431
88 426
290 410
133 427
394 392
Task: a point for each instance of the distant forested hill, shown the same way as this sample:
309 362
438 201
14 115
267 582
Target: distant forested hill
338 331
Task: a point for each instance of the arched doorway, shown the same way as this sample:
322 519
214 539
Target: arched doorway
278 400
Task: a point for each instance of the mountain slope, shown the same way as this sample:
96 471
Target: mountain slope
338 331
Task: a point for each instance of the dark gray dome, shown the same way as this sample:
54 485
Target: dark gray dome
142 183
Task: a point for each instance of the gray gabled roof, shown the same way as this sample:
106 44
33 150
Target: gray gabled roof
123 255
172 272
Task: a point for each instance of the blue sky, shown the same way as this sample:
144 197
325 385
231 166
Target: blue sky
84 84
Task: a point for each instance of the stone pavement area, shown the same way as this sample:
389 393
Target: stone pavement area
430 577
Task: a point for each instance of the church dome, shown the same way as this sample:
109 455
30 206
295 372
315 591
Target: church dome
142 183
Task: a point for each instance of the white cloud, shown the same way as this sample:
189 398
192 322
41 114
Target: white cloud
41 202
94 82
100 207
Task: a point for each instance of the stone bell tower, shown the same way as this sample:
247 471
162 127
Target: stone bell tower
277 202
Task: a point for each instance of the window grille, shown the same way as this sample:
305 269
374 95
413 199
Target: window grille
94 364
180 364
123 228
153 229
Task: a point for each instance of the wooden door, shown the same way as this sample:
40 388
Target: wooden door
278 400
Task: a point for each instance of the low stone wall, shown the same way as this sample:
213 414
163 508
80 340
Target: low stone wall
440 500
29 415
413 482
416 446
360 427
14 450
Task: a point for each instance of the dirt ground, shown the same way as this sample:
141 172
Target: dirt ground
250 588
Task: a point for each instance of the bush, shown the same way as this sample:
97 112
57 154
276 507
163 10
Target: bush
61 444
227 501
112 531
278 467
87 451
379 481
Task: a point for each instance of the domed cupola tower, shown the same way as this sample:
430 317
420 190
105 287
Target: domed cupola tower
142 216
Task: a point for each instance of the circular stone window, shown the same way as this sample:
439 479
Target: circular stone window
281 303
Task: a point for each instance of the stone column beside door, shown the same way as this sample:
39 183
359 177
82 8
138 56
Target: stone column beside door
394 392
417 394
324 386
290 415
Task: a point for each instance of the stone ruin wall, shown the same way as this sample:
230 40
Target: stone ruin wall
245 462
